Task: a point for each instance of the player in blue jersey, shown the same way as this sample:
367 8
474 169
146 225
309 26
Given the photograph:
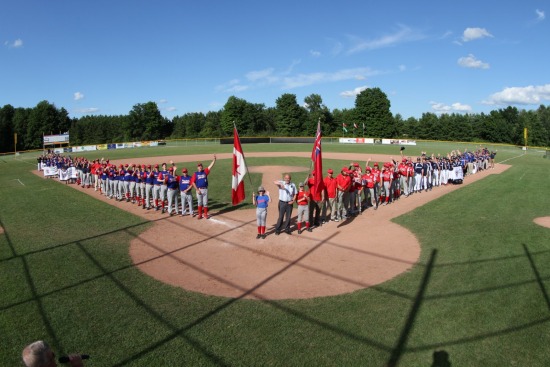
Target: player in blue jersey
186 197
200 183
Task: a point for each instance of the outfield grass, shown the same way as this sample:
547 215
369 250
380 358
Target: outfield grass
480 291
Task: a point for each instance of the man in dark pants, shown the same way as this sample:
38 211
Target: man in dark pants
287 196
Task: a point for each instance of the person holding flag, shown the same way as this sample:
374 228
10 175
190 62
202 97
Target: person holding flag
315 181
239 170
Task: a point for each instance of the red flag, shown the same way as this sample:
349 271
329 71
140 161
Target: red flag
239 170
317 162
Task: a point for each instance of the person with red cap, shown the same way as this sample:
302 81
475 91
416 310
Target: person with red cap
377 180
302 199
185 190
369 181
403 176
163 179
120 182
200 183
149 179
343 184
329 196
315 202
387 179
156 186
172 186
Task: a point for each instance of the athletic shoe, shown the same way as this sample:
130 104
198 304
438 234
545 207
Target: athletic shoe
277 233
336 220
299 231
193 215
288 231
309 229
263 236
258 236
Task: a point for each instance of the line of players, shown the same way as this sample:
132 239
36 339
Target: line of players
354 190
153 186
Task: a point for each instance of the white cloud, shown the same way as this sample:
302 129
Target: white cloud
86 110
170 109
15 44
259 74
78 96
530 95
540 14
302 80
471 34
163 100
314 53
353 93
455 107
470 61
403 34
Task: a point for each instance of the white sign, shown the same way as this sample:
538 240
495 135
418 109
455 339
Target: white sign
61 138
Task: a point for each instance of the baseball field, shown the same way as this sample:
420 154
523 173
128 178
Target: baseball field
472 286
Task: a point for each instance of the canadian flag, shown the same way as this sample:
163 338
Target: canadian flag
239 170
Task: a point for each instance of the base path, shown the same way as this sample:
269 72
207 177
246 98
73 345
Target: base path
221 256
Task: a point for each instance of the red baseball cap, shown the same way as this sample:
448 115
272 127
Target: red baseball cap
356 165
156 166
330 170
199 164
126 165
148 166
376 164
344 169
184 170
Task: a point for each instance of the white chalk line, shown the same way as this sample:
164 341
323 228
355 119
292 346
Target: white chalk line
16 179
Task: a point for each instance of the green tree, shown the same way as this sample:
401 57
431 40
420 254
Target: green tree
317 111
145 123
290 115
6 129
372 107
212 125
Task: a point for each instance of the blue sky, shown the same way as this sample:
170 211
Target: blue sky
103 57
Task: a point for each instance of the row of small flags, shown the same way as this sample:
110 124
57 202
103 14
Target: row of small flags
240 170
345 127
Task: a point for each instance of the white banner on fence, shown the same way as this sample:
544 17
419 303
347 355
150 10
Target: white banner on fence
356 141
398 142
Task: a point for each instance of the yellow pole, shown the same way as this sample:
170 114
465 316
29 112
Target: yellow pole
525 135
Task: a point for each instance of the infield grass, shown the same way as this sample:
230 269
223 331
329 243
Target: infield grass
480 291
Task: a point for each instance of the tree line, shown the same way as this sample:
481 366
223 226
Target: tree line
370 117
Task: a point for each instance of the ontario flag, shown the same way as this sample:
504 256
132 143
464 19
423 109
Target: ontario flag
344 127
317 160
239 170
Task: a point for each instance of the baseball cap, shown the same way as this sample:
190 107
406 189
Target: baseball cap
156 166
184 170
261 188
126 165
367 168
376 164
344 169
355 164
199 164
148 166
171 169
330 170
301 184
